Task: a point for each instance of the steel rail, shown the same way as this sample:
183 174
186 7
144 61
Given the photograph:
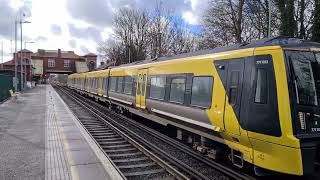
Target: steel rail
169 168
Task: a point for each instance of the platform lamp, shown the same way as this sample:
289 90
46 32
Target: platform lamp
21 58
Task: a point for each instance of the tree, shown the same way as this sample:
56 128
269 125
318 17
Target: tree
139 35
131 29
288 26
316 22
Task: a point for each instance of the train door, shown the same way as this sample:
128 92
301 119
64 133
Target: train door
233 85
141 88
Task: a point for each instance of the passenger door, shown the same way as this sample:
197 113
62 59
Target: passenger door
141 88
233 85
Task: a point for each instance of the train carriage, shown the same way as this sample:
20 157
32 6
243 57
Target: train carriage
259 102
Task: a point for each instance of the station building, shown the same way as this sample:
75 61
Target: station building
39 65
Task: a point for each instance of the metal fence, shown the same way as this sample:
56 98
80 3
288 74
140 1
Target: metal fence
6 84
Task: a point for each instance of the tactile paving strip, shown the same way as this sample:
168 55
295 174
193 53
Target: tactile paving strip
56 161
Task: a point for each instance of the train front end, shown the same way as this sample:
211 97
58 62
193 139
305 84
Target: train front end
303 74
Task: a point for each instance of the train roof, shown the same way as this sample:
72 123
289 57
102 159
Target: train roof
282 41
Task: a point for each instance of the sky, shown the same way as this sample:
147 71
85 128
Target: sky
76 25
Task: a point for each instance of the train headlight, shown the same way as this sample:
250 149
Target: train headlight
302 118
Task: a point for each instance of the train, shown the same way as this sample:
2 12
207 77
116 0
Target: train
257 104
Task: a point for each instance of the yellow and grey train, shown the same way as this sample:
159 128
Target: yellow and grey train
259 101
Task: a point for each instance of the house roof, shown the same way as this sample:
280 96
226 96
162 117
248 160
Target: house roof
25 51
55 53
90 54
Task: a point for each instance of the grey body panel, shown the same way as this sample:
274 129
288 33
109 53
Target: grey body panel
123 97
193 113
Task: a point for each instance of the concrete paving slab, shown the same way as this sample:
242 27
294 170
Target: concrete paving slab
90 171
40 138
22 136
84 158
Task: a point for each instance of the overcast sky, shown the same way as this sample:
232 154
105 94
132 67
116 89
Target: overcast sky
77 25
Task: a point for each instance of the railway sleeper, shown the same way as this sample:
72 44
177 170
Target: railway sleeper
129 166
137 159
121 150
104 142
137 153
141 173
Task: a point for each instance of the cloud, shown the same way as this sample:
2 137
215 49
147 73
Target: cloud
193 16
97 12
91 33
41 39
7 16
84 50
9 12
56 29
73 43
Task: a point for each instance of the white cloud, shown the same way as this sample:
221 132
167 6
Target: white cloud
77 25
194 15
190 18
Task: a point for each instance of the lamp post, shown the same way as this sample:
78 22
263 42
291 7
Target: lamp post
21 58
25 43
15 57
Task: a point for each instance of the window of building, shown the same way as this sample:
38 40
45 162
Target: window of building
177 88
157 87
201 91
128 85
66 63
113 84
120 85
51 63
261 87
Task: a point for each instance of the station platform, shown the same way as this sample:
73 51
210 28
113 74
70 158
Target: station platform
40 138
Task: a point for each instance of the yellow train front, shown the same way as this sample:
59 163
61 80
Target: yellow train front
256 103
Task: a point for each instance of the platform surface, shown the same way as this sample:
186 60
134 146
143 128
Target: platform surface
40 138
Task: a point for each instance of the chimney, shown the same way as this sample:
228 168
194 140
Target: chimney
59 53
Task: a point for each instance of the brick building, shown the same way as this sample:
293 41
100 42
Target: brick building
41 64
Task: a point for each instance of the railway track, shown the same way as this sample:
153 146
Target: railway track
132 159
109 116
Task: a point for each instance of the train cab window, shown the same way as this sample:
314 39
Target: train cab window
201 91
120 85
113 83
128 85
177 89
157 88
261 87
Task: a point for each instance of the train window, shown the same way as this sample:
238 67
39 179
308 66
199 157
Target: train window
128 85
201 91
157 87
143 84
104 84
113 83
233 90
261 87
177 89
120 85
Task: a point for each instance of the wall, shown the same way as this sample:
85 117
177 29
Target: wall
5 85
